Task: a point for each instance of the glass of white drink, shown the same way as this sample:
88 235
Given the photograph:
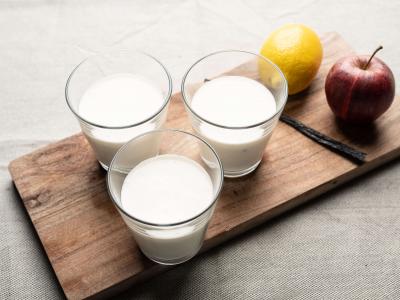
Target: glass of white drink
116 96
166 196
237 110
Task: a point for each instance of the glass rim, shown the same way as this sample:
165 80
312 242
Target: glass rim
187 104
216 196
76 113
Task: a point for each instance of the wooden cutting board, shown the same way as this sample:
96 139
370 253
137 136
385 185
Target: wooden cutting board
91 250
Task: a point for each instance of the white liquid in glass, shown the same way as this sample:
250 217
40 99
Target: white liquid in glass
163 190
118 100
235 101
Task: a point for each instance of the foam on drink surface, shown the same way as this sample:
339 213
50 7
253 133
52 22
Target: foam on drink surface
234 101
166 189
120 100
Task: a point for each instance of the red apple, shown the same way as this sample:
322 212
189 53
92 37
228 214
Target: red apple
359 88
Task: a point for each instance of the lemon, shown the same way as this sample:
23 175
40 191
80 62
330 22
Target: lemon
297 51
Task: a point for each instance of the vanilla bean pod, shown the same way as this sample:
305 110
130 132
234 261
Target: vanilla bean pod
332 144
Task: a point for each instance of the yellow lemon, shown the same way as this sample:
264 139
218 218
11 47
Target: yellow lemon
297 51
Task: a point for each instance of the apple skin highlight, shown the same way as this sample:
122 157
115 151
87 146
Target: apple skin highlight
356 94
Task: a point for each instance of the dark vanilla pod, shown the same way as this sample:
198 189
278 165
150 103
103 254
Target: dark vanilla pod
324 140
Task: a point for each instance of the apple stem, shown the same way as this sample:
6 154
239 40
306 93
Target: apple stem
373 54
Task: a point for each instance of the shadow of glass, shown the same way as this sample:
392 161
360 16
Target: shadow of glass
168 285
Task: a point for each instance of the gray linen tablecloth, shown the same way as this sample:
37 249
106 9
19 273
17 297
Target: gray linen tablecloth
344 245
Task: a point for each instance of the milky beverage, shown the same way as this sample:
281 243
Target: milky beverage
235 101
162 190
115 101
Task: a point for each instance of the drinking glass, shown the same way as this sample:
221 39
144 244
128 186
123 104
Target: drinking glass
240 148
166 243
106 140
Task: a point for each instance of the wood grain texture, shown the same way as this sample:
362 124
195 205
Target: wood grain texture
91 250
